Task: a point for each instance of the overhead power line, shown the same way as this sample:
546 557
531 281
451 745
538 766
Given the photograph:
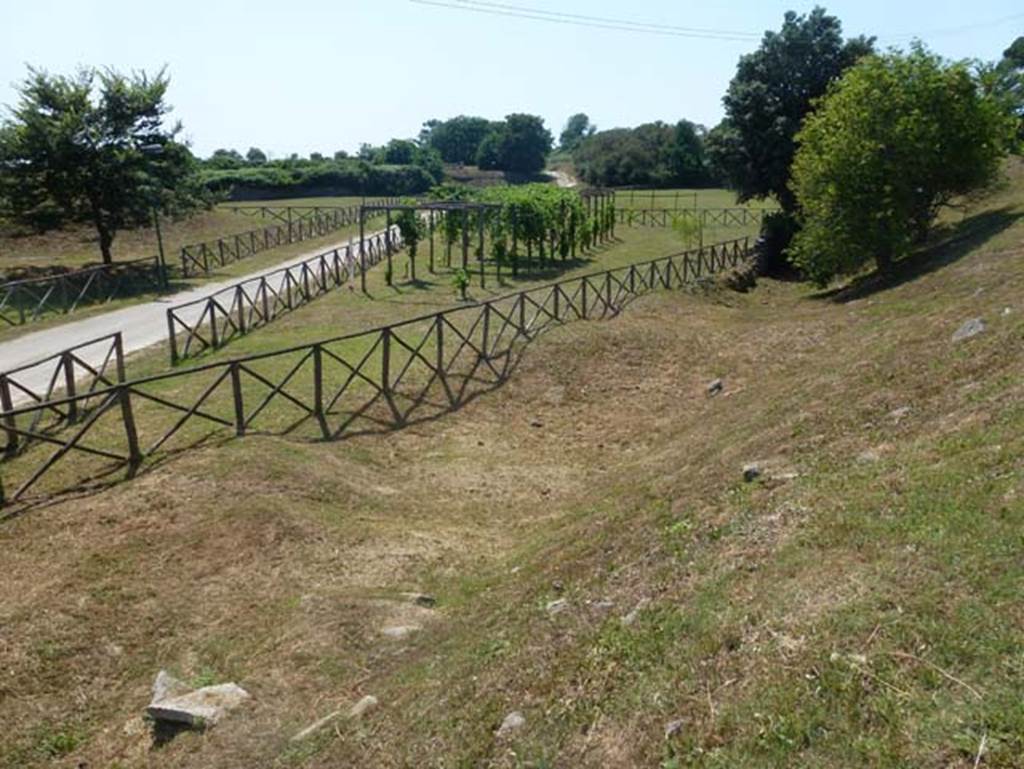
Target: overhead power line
597 22
670 30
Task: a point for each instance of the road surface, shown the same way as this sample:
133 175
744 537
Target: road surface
141 325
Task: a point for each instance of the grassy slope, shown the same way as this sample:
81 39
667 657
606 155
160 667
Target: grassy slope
863 613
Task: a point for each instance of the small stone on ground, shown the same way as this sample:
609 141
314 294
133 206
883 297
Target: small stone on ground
513 721
715 387
400 631
970 328
364 705
751 472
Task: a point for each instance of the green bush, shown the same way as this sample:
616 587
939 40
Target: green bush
894 140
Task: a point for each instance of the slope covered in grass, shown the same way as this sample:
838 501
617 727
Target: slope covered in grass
858 605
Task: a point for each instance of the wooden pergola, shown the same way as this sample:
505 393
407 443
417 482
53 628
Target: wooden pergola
443 207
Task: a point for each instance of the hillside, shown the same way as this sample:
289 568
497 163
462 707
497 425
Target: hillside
599 563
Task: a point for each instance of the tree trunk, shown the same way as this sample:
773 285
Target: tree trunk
105 233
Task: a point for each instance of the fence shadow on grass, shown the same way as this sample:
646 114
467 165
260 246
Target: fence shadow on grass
949 245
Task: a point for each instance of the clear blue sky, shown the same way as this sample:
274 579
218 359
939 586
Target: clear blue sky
322 75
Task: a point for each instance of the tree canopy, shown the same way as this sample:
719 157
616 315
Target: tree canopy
773 89
895 138
653 154
457 139
577 128
519 145
72 151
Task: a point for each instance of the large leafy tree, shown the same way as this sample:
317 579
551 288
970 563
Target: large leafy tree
1005 81
71 151
519 145
577 128
894 140
771 93
654 154
457 139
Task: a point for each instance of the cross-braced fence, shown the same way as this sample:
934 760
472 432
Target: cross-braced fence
33 299
213 321
296 224
368 382
706 217
64 375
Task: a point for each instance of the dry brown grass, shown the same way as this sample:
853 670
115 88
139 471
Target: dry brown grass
276 564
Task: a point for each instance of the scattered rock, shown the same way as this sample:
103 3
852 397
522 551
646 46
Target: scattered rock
558 586
513 721
167 687
900 413
316 726
400 631
869 456
751 472
673 728
1007 311
536 423
420 599
557 606
715 387
630 618
603 605
970 328
199 708
366 704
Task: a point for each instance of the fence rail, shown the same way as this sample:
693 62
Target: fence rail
213 321
32 299
366 382
667 217
295 225
66 374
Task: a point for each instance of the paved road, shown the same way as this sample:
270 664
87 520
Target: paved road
141 325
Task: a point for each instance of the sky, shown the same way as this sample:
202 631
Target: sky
322 75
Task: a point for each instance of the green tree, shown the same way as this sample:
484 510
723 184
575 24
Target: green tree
255 156
652 154
457 139
523 144
893 141
577 128
222 158
488 154
1005 81
772 91
72 151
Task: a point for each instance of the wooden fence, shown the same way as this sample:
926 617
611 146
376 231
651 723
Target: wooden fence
32 299
65 374
293 226
666 217
213 321
362 383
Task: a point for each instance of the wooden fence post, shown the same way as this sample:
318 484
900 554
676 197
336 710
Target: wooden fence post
172 339
132 436
318 389
7 404
236 394
239 296
68 364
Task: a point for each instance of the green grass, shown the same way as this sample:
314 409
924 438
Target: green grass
675 199
857 606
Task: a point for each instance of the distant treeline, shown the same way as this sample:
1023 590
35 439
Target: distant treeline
650 155
518 145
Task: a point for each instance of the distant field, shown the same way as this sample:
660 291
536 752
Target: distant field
78 246
683 198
